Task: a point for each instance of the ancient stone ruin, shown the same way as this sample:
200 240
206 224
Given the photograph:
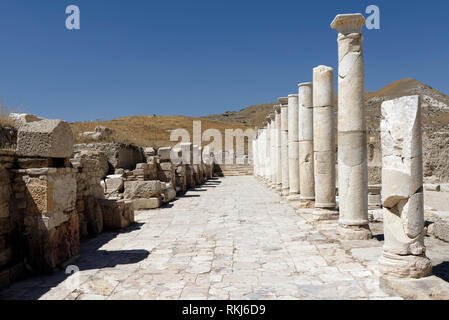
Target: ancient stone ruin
54 193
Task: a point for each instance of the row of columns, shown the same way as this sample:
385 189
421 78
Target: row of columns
299 153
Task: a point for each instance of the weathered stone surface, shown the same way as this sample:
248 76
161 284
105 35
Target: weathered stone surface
94 216
114 183
120 155
148 203
440 226
168 195
402 190
117 214
50 248
142 189
21 119
45 138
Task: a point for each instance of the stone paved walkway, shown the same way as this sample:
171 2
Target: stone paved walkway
231 238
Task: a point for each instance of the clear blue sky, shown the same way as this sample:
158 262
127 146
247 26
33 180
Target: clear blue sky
199 57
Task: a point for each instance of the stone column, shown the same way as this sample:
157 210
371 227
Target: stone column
305 118
293 147
273 151
352 150
402 190
267 152
284 146
324 142
277 109
255 156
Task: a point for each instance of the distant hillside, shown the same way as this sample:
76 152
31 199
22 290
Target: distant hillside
253 115
435 107
149 130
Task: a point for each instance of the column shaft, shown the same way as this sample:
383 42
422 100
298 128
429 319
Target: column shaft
293 146
324 137
307 180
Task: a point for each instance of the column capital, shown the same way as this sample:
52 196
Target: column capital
283 100
348 23
305 84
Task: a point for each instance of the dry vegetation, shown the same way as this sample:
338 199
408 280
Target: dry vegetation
5 121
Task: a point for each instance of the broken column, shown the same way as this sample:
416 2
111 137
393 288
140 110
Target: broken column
402 190
352 151
324 142
284 146
293 147
306 181
278 168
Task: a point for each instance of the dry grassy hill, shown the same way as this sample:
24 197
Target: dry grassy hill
150 130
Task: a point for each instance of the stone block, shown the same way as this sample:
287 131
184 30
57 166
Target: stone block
48 249
117 214
150 203
114 183
440 226
142 189
168 195
164 153
45 138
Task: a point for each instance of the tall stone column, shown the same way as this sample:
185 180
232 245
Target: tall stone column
273 150
255 156
277 109
284 146
305 118
267 152
293 147
324 142
352 149
402 190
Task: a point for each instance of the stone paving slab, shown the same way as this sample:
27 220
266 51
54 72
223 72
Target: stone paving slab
231 238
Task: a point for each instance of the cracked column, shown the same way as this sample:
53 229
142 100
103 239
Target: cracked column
284 146
305 119
273 150
402 190
352 153
324 143
293 147
277 109
267 152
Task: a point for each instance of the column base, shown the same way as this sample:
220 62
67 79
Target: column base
346 232
324 214
407 266
285 192
293 197
329 205
306 204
